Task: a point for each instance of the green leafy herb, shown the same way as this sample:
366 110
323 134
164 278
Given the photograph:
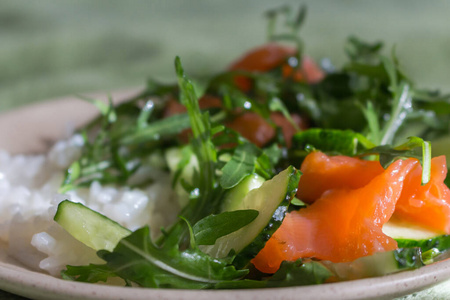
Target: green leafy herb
241 164
91 273
164 127
415 148
105 109
297 273
137 259
293 22
360 50
212 227
373 124
441 243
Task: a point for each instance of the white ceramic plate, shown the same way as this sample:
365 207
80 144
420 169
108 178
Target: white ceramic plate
31 129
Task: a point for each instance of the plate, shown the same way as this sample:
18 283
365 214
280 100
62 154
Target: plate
31 129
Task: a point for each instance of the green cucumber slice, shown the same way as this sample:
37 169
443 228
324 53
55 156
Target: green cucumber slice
173 158
378 264
89 227
233 199
271 201
400 229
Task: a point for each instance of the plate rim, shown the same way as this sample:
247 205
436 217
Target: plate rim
36 285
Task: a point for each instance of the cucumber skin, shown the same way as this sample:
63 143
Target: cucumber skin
441 242
243 258
239 192
66 205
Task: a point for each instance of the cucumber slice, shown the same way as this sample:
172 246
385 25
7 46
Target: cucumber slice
399 229
233 199
173 158
271 201
89 227
378 264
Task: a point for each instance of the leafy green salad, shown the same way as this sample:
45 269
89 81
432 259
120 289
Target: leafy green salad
235 143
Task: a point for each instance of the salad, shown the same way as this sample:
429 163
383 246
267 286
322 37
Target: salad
286 172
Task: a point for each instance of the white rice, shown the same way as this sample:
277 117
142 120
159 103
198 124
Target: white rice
29 198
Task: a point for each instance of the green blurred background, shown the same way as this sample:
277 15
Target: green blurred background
50 49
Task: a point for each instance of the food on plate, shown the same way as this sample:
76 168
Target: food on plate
275 172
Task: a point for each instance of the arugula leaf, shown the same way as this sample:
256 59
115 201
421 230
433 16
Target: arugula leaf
391 71
371 116
72 174
441 243
293 22
99 159
154 131
434 249
265 163
91 273
415 147
210 228
139 260
105 109
241 164
356 49
248 159
203 146
296 273
273 153
207 192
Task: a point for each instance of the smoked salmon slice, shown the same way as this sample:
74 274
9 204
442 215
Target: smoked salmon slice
250 125
342 225
428 204
259 131
271 56
322 173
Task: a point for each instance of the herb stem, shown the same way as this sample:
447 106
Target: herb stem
403 102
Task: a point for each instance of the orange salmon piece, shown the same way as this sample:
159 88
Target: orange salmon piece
258 131
429 204
342 225
309 72
250 125
270 56
253 127
322 173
